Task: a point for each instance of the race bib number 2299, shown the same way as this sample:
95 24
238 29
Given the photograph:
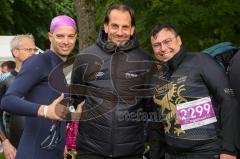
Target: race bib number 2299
196 113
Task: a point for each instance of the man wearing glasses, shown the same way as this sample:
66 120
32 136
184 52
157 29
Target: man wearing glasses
194 126
32 96
22 47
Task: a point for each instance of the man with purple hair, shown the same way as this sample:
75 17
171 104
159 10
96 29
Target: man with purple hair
41 103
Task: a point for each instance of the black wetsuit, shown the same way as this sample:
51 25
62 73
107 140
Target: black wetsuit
27 93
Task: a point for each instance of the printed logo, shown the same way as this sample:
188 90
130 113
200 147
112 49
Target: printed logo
130 75
99 74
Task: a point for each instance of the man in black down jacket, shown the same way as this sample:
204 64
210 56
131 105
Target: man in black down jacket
234 76
194 127
112 74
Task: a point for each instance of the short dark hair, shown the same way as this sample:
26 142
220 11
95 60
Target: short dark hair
121 7
162 26
10 64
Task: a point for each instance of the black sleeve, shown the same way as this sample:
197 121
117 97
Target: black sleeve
234 74
218 84
2 89
2 128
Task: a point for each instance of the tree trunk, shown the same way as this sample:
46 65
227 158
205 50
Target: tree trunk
86 13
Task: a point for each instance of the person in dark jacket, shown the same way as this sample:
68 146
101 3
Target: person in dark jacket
7 66
22 47
111 76
32 96
194 127
234 77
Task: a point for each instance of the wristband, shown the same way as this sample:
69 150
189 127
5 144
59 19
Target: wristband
45 111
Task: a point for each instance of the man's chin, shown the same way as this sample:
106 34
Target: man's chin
121 43
64 54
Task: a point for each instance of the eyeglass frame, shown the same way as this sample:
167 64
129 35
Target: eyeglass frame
28 49
166 42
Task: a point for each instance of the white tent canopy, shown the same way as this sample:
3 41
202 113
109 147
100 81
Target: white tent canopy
5 52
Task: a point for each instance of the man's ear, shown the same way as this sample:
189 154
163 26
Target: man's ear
50 36
106 28
179 40
132 30
15 53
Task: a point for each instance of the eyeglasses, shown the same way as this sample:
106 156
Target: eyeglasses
166 42
28 49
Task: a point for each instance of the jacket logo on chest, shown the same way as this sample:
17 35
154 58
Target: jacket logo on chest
99 74
130 75
181 79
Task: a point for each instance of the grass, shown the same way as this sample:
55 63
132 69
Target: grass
1 156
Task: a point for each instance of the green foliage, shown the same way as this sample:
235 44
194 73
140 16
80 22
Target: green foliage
102 6
200 23
32 16
2 156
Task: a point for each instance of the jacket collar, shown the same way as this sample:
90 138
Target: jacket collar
176 60
110 47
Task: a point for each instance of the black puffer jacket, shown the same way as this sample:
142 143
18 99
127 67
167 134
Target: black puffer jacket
114 79
197 75
234 76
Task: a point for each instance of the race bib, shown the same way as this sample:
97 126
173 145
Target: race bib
196 113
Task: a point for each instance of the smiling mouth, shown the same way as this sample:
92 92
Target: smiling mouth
163 53
65 48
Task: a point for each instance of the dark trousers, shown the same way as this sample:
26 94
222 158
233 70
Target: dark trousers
156 140
104 157
16 128
191 156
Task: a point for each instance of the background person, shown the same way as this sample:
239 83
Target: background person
6 68
22 47
234 81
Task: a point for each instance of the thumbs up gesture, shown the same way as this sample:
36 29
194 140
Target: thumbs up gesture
55 110
76 115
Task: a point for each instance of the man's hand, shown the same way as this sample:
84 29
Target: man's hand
226 156
55 110
77 114
8 149
65 151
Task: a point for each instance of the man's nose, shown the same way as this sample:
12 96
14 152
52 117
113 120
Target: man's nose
120 32
66 40
163 47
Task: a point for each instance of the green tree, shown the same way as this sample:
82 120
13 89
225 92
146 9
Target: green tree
201 23
31 16
86 13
